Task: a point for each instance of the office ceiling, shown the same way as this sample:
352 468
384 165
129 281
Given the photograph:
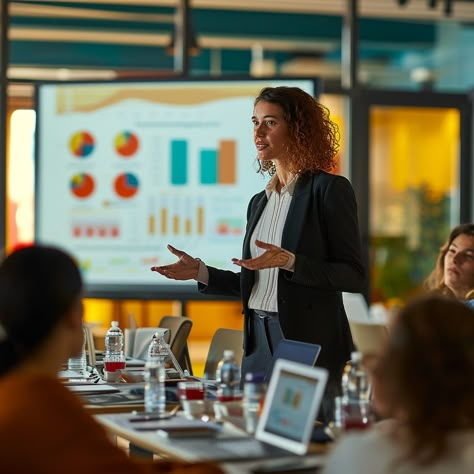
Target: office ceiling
103 38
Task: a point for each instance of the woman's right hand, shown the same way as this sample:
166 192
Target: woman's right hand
186 268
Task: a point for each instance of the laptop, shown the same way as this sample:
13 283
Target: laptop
285 426
296 351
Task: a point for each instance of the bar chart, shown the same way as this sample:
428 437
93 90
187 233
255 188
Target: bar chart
216 165
95 228
176 217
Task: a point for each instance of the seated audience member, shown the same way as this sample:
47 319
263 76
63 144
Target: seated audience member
43 426
454 272
424 385
470 299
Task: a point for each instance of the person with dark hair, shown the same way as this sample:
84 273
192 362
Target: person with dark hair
454 272
424 388
43 426
301 248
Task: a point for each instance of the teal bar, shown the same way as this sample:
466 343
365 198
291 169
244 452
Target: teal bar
179 162
208 166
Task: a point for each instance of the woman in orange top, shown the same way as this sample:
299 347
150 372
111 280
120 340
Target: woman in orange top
43 426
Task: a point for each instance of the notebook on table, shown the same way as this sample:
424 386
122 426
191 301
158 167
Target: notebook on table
284 429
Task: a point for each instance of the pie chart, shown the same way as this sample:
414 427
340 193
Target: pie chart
82 144
126 185
82 185
126 143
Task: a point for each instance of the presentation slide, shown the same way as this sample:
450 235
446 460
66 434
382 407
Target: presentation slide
125 168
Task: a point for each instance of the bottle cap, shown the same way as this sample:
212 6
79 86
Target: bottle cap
255 377
356 356
115 324
228 353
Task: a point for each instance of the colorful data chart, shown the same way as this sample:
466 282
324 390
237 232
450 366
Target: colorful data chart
229 226
126 185
216 165
92 229
82 185
82 144
126 144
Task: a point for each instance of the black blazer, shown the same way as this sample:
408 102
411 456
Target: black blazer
321 229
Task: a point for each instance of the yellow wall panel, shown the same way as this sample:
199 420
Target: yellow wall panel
207 316
414 156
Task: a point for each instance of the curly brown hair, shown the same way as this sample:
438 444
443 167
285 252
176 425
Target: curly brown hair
435 281
314 137
426 375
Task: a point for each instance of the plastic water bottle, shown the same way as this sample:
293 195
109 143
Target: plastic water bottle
355 409
114 359
79 363
228 377
155 376
254 393
355 379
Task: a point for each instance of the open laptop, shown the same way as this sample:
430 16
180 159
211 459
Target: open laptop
296 351
286 424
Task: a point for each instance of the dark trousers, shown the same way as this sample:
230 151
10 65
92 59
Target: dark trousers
265 334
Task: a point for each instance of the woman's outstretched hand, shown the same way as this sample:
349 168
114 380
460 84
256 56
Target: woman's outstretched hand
273 257
186 268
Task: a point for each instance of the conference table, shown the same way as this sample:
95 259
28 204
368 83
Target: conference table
115 410
120 425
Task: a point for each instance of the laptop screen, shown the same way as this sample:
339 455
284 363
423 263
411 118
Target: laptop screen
291 405
297 351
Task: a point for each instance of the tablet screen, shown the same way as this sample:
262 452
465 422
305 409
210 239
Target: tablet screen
291 404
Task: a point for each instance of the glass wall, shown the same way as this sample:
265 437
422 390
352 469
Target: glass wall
414 195
337 106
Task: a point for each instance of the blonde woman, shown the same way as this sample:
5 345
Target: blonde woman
454 273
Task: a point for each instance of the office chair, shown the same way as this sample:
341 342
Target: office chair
90 345
221 340
369 338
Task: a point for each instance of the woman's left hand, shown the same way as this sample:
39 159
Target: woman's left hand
273 257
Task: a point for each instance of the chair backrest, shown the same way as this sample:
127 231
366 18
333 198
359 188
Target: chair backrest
356 307
369 338
221 340
90 345
132 322
180 327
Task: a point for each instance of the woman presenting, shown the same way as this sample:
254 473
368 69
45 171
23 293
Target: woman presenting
301 247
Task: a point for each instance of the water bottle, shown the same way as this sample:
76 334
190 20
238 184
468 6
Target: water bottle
114 359
356 381
354 406
254 393
228 377
155 376
79 363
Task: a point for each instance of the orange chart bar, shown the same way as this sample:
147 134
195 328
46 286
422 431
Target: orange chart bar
187 226
175 225
151 225
164 220
200 220
227 162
